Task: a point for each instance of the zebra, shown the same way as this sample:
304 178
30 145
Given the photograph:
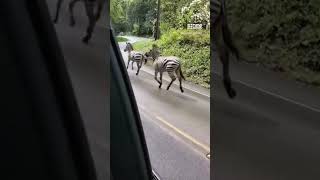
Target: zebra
134 56
92 16
222 41
154 53
169 64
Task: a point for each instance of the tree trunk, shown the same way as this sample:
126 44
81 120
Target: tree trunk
157 30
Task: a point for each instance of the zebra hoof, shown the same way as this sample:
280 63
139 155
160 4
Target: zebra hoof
232 94
85 40
182 90
97 18
72 23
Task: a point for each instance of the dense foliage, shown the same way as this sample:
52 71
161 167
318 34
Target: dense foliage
138 16
285 35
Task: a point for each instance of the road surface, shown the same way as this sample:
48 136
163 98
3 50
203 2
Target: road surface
176 125
271 131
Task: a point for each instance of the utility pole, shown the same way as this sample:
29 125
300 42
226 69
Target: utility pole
157 29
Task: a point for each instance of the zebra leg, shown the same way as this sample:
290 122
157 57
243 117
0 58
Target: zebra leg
59 3
139 67
160 79
128 63
224 58
180 78
156 78
90 13
132 65
71 6
173 78
100 8
180 81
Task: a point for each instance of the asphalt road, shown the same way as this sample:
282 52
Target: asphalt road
176 126
271 131
87 66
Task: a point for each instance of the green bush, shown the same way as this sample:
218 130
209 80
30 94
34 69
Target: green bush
122 39
285 35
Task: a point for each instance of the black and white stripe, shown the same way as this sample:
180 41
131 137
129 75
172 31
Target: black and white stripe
172 66
135 57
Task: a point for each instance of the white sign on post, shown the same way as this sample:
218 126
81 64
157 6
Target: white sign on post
194 26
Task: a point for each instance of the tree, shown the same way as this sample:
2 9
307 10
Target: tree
157 29
196 12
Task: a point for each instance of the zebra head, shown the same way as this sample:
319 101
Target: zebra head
147 56
128 47
154 53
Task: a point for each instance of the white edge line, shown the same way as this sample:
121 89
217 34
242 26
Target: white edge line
276 95
177 130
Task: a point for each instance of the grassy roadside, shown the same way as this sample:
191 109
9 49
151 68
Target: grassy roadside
121 39
192 47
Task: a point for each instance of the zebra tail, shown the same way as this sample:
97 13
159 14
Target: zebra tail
181 74
226 32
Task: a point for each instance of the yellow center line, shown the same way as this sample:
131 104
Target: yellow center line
177 130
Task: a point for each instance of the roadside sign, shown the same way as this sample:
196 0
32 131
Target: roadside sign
194 26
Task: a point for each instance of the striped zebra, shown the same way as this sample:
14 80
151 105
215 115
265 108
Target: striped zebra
170 64
154 53
93 16
222 41
135 57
